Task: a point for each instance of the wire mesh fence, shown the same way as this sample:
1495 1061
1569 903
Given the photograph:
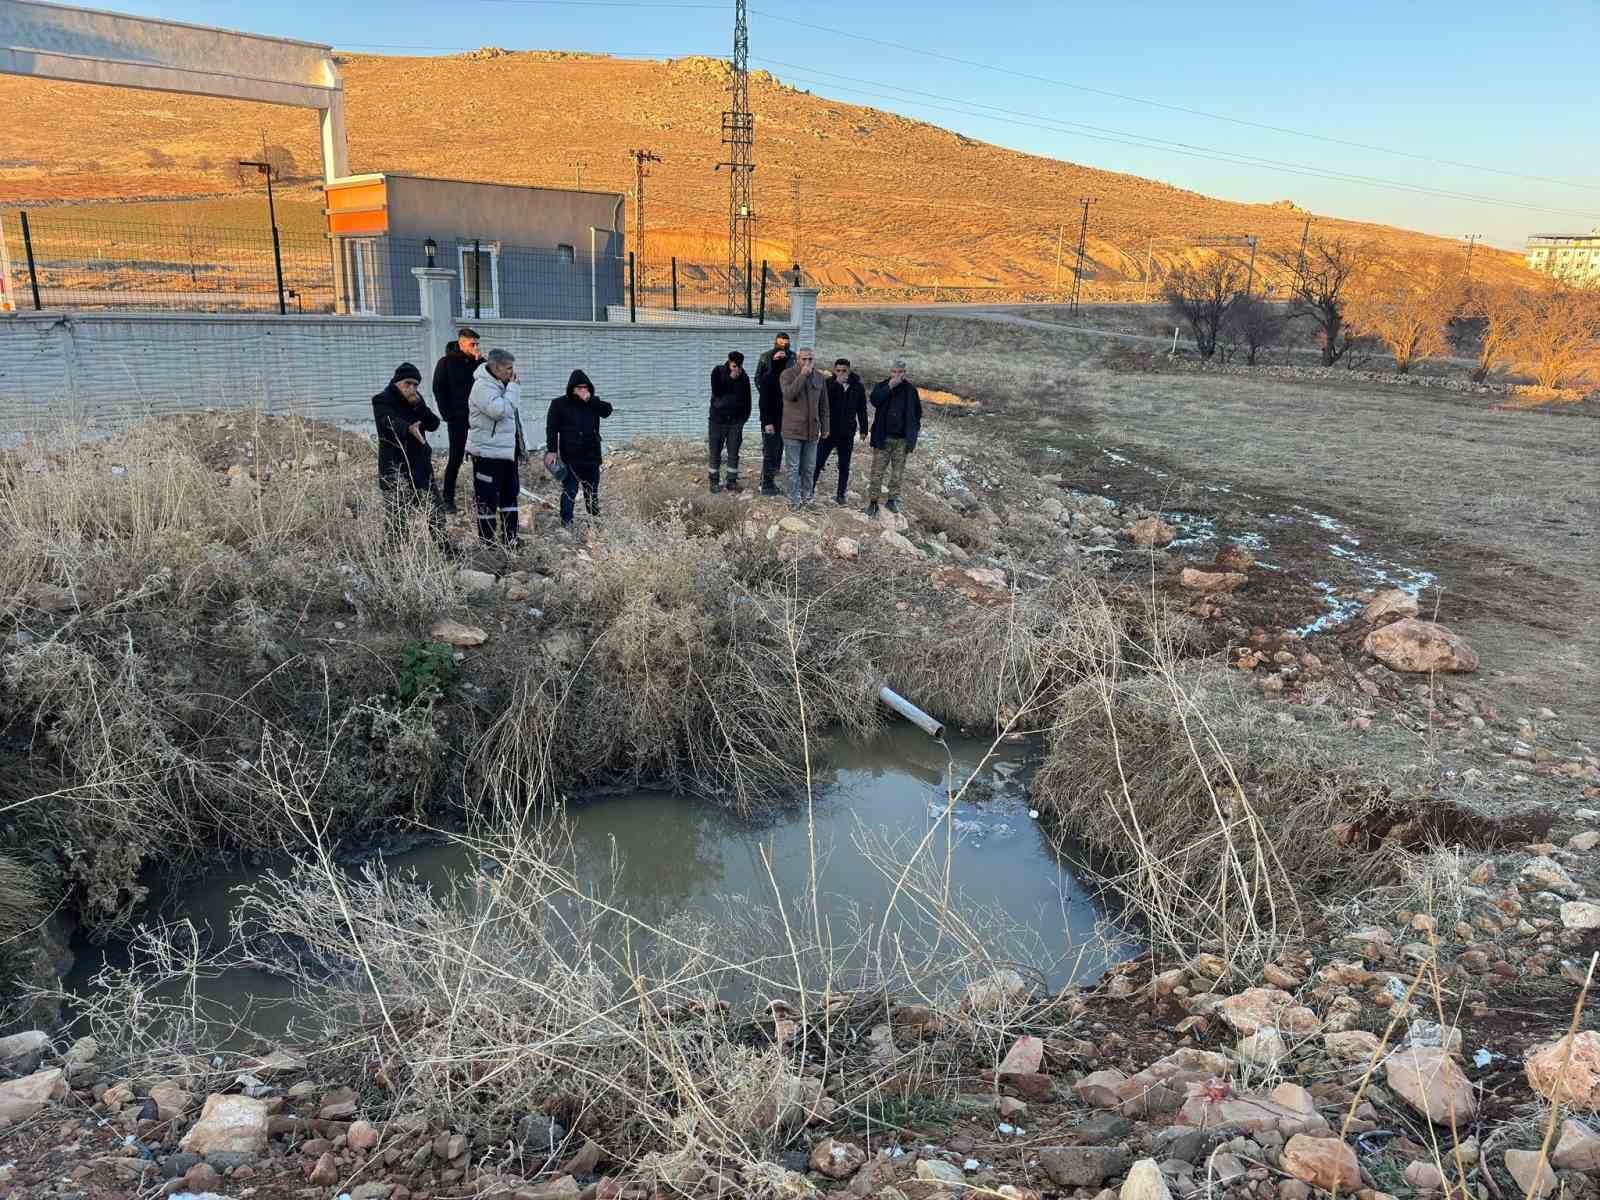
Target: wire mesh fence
57 258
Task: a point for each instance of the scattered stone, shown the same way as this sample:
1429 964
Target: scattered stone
1025 1057
538 1134
1580 1085
171 1101
1428 1080
202 1177
1234 557
1353 1046
1534 1177
1580 914
836 1159
51 599
941 1173
998 990
1212 582
475 581
1547 872
82 1053
1102 1089
1264 1048
1424 1176
1280 977
1255 1009
1584 841
899 541
325 1172
1145 1182
793 524
233 1124
454 633
1578 1147
23 1098
1150 532
1323 1162
361 1137
847 548
1252 1114
1420 647
1082 1166
1391 602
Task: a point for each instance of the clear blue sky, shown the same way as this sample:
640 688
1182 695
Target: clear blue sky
1505 86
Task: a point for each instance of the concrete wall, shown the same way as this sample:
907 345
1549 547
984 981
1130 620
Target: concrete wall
539 218
105 371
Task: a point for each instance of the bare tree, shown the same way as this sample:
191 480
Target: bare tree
1406 302
1202 294
1497 310
1557 334
1256 325
1319 280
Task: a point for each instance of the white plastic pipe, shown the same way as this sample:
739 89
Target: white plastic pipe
911 712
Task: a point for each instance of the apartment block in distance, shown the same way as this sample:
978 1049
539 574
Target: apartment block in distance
1572 257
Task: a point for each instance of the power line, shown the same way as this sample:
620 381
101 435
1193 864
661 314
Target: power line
1161 104
1099 133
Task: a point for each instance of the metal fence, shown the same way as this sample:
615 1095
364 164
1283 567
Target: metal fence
60 258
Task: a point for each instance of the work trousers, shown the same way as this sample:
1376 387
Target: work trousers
888 458
496 486
458 454
401 498
724 436
771 457
586 475
843 445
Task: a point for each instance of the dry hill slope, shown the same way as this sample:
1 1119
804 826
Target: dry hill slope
883 199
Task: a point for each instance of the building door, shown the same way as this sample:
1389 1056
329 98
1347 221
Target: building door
364 293
480 279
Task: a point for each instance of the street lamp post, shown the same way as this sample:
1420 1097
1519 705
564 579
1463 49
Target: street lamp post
272 215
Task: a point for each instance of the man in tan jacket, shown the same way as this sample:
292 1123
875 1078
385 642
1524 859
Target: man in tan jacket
805 423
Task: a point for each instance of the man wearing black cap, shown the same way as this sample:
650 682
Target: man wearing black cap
452 384
405 460
730 409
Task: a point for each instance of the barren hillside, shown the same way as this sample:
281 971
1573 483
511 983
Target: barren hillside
882 199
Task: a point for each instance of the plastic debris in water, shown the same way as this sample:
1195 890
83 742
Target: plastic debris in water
1033 814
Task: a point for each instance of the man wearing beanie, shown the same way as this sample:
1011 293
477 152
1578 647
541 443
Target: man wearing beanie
405 460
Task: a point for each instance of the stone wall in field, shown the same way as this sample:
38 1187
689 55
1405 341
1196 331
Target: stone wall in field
103 371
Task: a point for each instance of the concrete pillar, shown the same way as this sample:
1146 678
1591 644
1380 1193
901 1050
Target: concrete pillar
436 285
335 152
803 314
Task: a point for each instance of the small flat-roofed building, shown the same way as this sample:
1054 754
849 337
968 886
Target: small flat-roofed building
1574 258
518 252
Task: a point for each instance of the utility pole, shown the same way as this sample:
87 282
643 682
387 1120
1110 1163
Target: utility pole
739 136
1061 228
799 230
1083 239
265 168
1250 280
1305 233
1472 241
641 168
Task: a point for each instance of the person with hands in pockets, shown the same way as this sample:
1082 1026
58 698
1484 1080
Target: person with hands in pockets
572 437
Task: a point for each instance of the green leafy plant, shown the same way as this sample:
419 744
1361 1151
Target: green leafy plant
428 670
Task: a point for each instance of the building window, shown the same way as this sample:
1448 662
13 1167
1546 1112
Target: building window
362 265
480 279
565 254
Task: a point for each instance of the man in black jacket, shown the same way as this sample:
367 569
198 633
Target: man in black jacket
452 384
769 385
572 435
896 421
405 460
847 419
730 409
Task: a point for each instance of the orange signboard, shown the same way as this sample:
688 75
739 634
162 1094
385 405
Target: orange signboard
358 208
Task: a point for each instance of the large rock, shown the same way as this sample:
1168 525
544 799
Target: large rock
1145 1182
1580 914
27 1097
1428 1079
1212 581
171 1100
847 548
1578 1147
1255 1009
1251 1114
229 1124
1025 1057
1323 1162
1150 532
1264 1048
1103 1089
1166 1083
1578 1084
1534 1177
1391 602
455 633
1351 1046
23 1052
836 1159
1420 647
1082 1166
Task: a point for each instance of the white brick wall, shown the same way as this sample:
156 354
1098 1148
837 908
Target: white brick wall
105 371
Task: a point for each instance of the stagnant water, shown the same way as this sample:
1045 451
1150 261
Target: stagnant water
684 854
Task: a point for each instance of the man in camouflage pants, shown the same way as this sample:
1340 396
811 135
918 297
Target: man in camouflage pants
896 421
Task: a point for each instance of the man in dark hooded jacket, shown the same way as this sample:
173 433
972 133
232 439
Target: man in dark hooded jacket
405 460
847 419
572 435
730 409
769 386
452 384
896 422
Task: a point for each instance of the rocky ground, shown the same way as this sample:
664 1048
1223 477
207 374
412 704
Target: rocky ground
1407 1043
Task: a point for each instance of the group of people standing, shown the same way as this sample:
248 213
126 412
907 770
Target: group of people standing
479 398
806 417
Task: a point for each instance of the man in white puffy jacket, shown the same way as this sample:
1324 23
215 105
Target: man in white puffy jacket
494 442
